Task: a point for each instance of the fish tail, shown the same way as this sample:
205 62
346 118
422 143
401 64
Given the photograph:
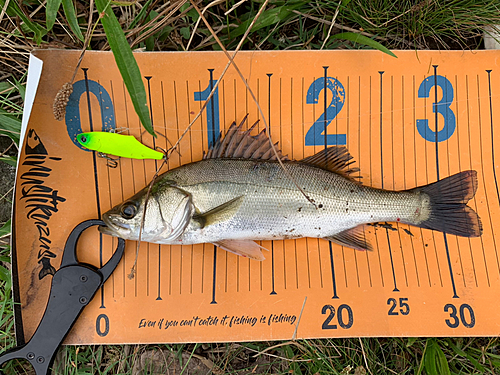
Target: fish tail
448 208
50 270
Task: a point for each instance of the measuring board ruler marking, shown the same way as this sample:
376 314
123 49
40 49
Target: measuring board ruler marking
405 127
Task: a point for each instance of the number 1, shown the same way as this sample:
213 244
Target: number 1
212 110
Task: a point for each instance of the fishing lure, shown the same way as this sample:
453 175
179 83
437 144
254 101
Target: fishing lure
126 146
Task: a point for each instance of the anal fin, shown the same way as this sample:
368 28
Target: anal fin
354 238
246 248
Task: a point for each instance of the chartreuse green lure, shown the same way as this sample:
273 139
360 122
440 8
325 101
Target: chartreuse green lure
117 144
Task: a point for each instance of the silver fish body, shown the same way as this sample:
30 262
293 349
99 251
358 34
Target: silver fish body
231 200
273 208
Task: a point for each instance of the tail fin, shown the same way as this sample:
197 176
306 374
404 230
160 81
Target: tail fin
448 205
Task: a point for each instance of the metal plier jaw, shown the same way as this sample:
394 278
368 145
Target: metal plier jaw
73 286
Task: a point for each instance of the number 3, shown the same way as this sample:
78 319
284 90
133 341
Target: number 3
442 107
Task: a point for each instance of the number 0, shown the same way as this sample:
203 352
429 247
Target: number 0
73 119
98 323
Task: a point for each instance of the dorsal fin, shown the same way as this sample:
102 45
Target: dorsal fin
239 144
334 159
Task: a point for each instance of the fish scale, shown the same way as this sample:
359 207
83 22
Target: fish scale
273 207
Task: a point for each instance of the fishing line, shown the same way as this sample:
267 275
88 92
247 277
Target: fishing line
231 60
133 270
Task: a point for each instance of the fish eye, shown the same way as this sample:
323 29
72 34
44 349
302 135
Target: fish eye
128 210
83 139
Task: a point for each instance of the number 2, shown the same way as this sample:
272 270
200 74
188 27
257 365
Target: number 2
315 134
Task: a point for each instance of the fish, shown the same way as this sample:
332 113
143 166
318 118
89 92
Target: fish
240 193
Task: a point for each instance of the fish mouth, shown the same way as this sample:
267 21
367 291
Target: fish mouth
112 227
105 230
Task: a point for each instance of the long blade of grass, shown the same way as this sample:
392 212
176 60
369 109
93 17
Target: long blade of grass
13 10
268 18
51 12
126 63
361 39
10 160
70 13
141 15
5 229
462 353
10 126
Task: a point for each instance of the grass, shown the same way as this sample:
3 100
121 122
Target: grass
153 25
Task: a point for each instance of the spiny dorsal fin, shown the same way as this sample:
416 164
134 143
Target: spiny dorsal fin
354 238
239 144
334 159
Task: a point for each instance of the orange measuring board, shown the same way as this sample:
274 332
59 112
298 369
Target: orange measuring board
407 121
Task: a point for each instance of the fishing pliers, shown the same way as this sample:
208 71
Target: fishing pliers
73 287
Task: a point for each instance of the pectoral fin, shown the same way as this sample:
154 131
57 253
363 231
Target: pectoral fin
220 213
245 248
354 238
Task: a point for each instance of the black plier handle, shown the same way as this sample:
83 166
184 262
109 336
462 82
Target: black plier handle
73 286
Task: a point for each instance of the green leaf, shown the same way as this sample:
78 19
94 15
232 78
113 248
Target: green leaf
11 160
70 13
164 33
13 10
441 362
193 14
51 12
185 32
126 63
435 361
267 18
4 86
5 229
411 341
361 39
21 88
10 126
4 274
140 16
430 358
472 360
